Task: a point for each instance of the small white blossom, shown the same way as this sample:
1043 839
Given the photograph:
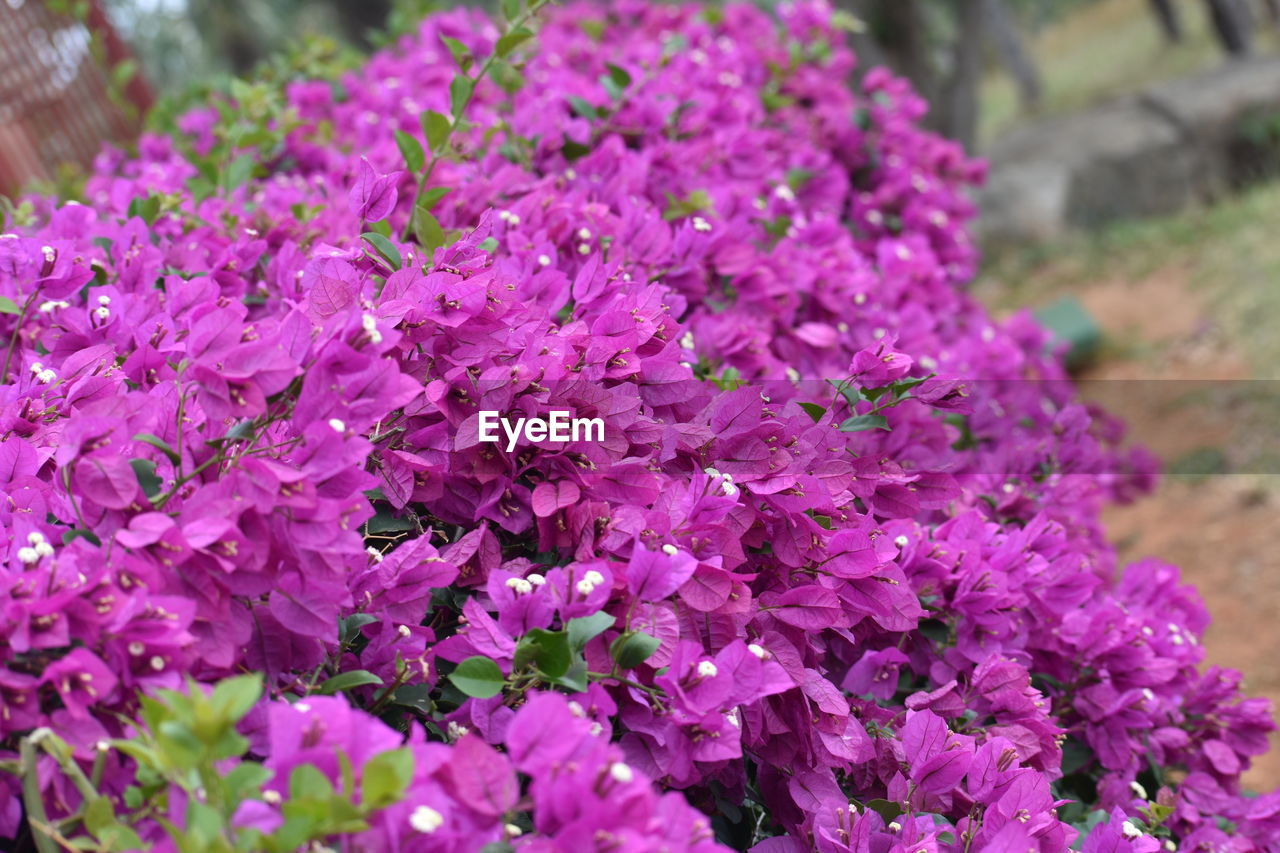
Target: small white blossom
536 579
456 731
584 249
103 299
46 376
670 550
271 798
51 305
584 233
620 772
513 831
48 253
157 663
337 425
426 820
784 192
757 650
700 224
593 577
137 649
1130 830
576 709
30 556
404 631
901 541
585 587
707 669
102 313
544 260
894 826
1137 788
44 549
520 585
686 341
35 537
374 554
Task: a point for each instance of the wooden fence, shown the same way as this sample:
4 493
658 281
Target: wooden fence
56 94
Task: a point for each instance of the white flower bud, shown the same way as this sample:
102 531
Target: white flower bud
536 579
700 224
901 541
426 820
670 550
544 261
620 772
520 585
585 587
337 425
103 299
707 669
757 650
27 555
374 554
593 577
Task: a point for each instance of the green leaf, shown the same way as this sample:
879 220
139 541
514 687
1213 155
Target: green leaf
489 244
411 150
432 197
633 648
697 201
159 444
386 777
349 628
511 41
478 677
616 81
574 150
80 533
437 127
427 229
246 778
583 107
815 411
307 782
346 681
459 95
548 650
385 249
233 697
145 471
510 9
239 171
460 52
576 677
584 628
8 306
885 808
860 423
147 209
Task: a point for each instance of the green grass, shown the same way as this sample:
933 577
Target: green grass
1229 253
1105 49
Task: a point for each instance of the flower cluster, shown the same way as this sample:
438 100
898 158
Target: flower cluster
834 578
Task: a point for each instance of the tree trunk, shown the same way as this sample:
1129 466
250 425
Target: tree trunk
1231 24
1168 17
958 107
1012 52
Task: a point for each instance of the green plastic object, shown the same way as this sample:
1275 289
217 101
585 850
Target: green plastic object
1070 322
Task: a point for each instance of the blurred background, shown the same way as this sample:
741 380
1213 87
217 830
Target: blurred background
1133 203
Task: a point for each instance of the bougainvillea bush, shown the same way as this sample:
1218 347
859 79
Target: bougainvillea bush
832 579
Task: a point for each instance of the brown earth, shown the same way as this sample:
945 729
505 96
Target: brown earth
1169 371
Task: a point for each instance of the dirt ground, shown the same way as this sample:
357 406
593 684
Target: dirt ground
1171 373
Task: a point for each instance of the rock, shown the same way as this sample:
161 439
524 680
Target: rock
1154 153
